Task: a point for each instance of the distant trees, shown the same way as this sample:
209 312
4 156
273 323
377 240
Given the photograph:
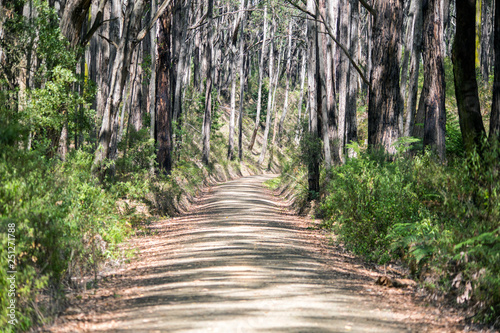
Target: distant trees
466 90
353 66
434 94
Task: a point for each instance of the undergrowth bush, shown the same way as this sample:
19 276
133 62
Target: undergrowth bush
65 224
443 220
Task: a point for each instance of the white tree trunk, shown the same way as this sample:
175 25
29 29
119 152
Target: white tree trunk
269 98
261 75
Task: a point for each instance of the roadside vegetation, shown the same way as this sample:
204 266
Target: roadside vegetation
440 219
116 112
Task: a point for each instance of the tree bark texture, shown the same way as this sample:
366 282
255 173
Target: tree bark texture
313 79
163 94
269 97
74 16
207 118
414 45
495 106
384 101
288 75
301 95
344 75
108 135
323 102
469 110
261 76
232 117
351 131
435 112
242 78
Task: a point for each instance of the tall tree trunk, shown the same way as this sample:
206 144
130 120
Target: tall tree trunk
495 106
273 106
269 97
435 112
384 102
152 82
207 119
486 39
242 79
415 44
351 131
334 132
479 31
73 17
313 88
163 94
182 62
298 133
344 76
261 75
469 110
230 148
407 46
288 74
323 104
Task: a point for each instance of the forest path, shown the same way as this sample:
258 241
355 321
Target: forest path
239 262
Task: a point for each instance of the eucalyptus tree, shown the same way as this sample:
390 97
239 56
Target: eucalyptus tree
261 76
466 89
495 106
351 131
207 118
323 102
344 73
163 107
413 46
434 94
131 35
314 88
243 16
269 97
384 100
288 74
301 94
487 38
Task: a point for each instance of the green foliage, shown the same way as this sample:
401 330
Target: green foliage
62 217
367 197
139 152
51 99
443 220
454 142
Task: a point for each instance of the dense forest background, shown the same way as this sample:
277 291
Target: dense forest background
387 113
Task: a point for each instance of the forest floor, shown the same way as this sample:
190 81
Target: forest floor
240 261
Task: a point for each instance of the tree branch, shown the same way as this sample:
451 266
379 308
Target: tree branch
148 26
369 8
97 23
109 41
330 33
199 23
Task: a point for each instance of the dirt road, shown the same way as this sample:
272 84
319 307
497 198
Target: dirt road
240 263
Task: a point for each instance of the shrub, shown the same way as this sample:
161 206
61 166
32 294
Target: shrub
65 224
443 220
